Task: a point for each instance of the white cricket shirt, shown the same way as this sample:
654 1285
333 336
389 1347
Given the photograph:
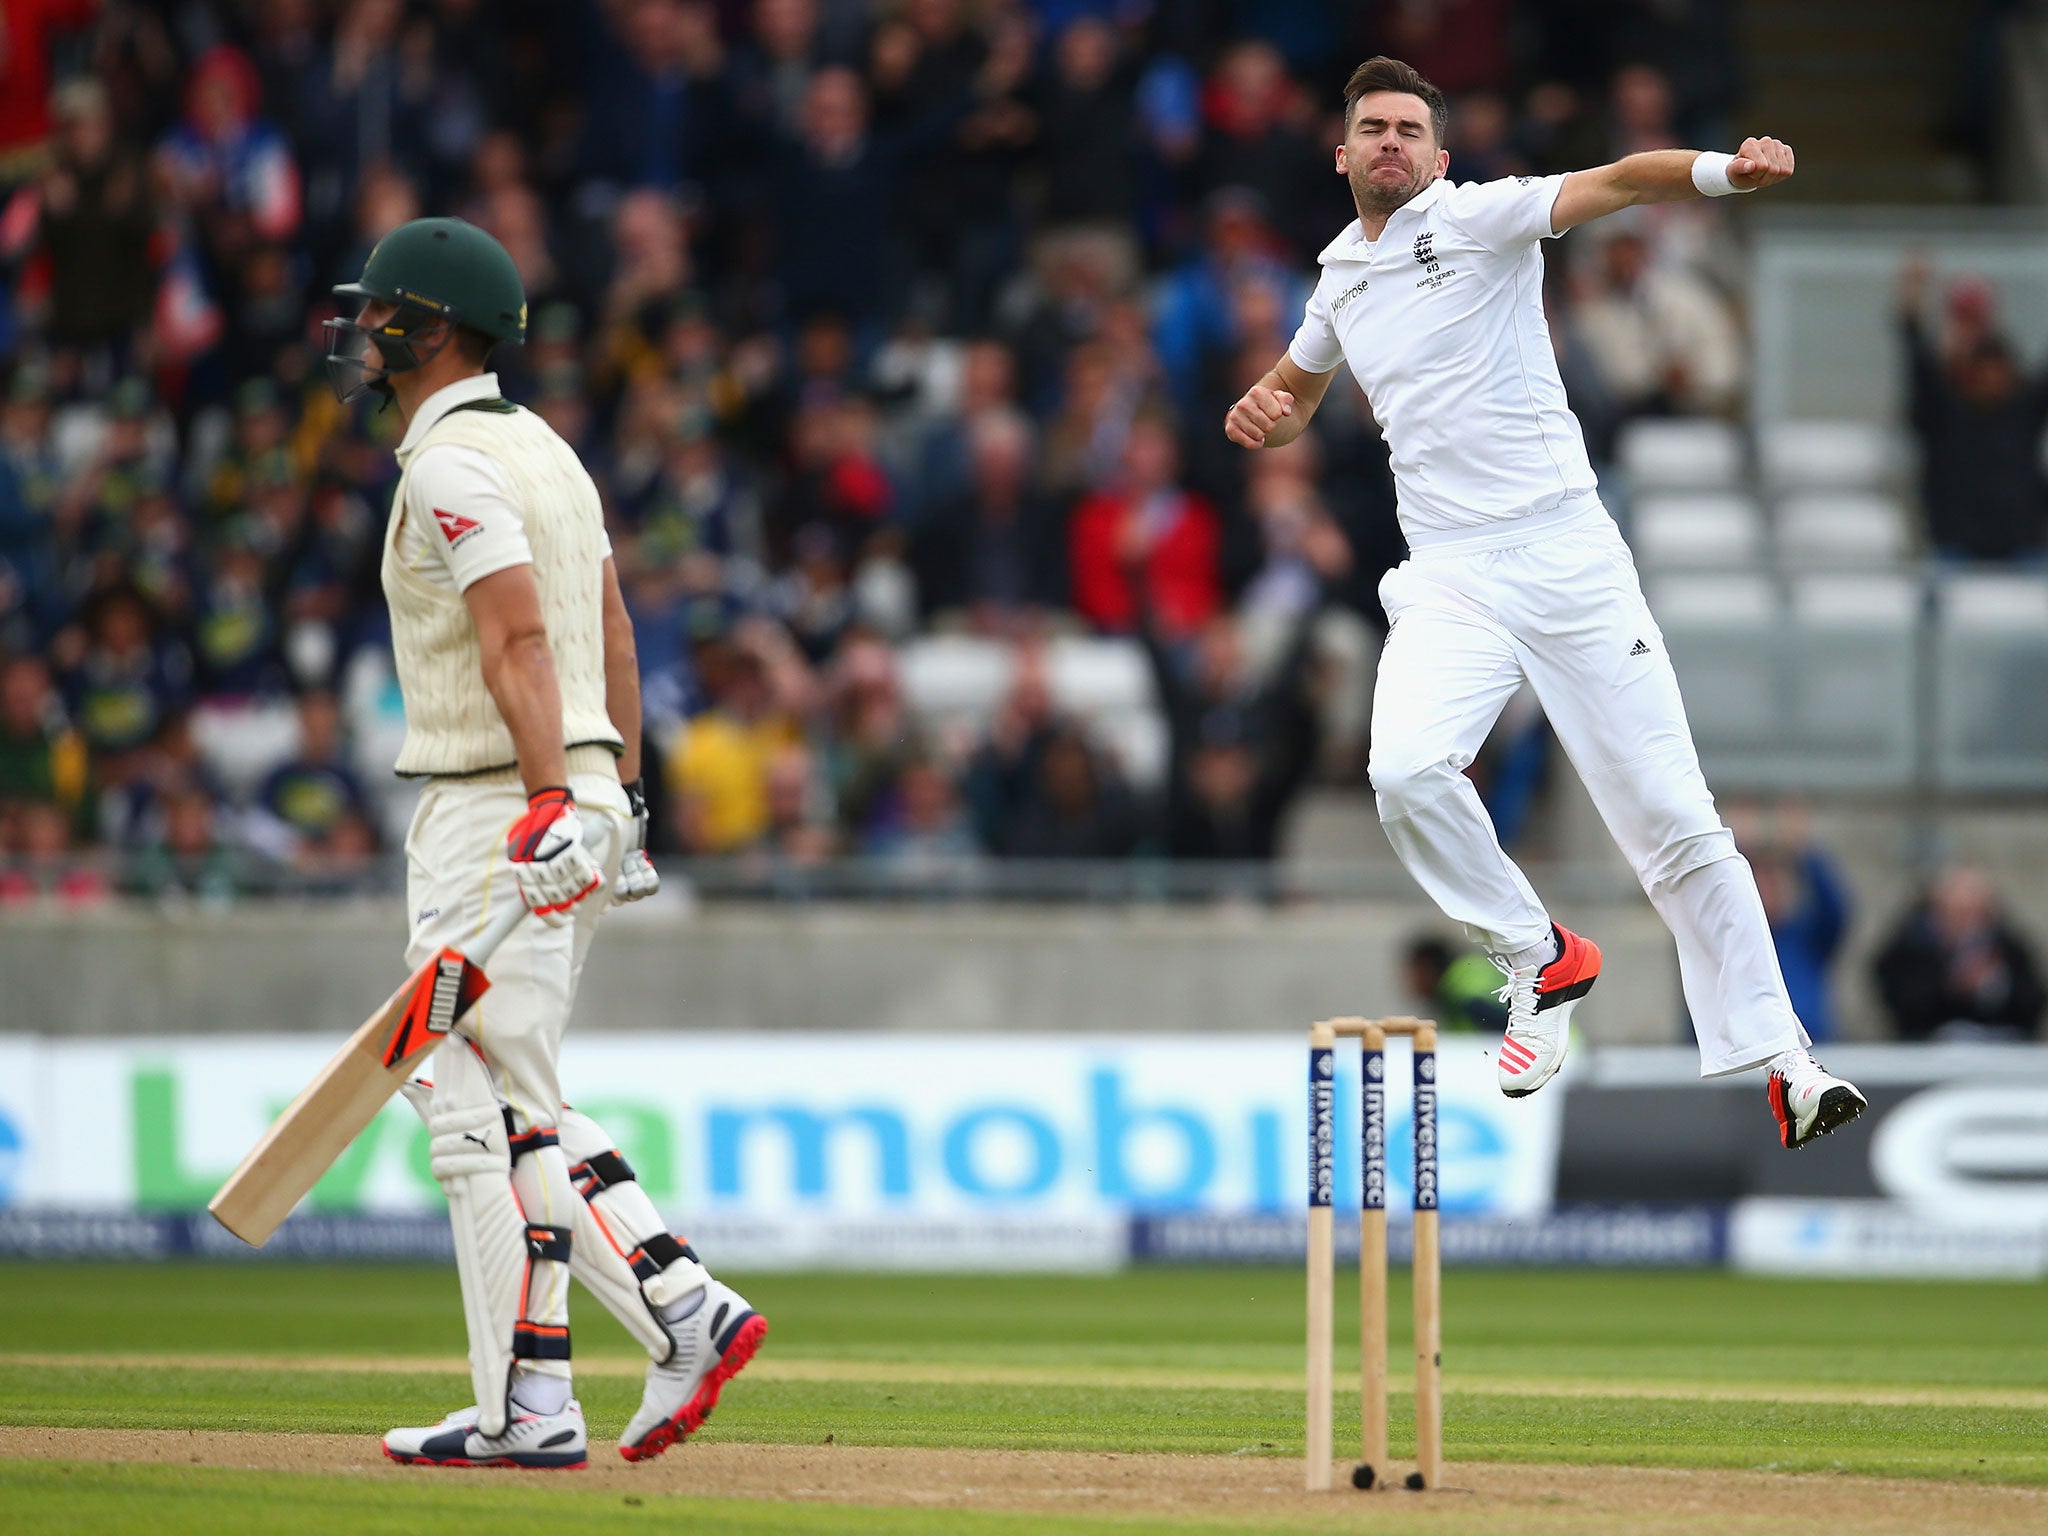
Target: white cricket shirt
1441 321
462 520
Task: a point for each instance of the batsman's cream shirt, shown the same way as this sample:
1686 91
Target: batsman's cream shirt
486 486
1441 322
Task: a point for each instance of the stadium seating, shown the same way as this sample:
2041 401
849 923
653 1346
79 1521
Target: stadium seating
1697 531
1990 676
1681 455
1828 455
1849 671
947 676
1809 687
1841 530
1723 633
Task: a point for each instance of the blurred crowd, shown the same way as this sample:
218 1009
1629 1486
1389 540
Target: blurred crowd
874 319
1953 964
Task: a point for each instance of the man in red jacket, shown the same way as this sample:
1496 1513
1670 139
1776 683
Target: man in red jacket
1148 525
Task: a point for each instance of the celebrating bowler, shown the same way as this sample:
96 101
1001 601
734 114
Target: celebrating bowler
1433 298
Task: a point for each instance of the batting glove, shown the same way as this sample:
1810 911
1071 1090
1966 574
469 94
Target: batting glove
554 869
637 874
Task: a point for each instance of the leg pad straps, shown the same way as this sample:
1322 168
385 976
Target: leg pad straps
539 1341
600 1173
525 1142
547 1242
656 1253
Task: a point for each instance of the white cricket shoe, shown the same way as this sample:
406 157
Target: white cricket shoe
544 1441
1808 1100
713 1344
1540 1000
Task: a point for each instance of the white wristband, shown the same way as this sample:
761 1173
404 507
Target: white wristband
1710 174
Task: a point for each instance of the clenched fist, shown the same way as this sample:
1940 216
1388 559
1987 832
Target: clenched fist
1256 415
1760 163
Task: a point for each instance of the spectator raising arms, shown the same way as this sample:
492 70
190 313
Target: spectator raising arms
94 220
1979 420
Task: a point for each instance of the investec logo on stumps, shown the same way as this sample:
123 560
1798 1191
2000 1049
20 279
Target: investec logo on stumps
1425 1131
1322 1132
1375 1133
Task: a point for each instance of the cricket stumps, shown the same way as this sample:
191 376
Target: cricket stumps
1372 1036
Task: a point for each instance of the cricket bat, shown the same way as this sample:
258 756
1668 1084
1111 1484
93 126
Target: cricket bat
315 1128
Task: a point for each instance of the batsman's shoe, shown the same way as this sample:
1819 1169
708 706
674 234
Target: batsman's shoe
713 1344
1540 1000
1808 1100
543 1441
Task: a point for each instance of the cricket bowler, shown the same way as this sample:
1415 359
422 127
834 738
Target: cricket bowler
1434 298
522 708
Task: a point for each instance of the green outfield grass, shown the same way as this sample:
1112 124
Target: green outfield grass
1678 1370
71 1497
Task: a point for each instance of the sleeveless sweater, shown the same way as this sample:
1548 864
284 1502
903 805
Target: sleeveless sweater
452 725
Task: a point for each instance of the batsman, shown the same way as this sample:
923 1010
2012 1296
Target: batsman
522 708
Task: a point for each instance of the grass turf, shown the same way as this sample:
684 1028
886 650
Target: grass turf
63 1498
1647 1369
1625 1326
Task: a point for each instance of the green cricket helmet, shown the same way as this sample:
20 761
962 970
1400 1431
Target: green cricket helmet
432 270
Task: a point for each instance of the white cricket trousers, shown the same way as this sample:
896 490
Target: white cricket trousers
1566 613
500 1067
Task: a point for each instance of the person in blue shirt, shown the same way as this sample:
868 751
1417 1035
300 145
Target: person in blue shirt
1807 904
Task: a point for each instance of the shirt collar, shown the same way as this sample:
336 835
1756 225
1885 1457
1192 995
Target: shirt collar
1351 244
1348 246
483 386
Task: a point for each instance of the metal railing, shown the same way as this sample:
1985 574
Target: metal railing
239 878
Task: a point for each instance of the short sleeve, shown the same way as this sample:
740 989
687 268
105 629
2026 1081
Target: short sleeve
1501 215
1315 348
464 511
